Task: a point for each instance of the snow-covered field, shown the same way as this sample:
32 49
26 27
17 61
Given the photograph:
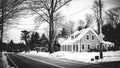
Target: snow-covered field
83 56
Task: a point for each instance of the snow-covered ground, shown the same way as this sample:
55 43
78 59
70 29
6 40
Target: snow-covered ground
5 62
83 56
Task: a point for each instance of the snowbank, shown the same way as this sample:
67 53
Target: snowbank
111 56
80 56
87 56
83 56
5 62
44 54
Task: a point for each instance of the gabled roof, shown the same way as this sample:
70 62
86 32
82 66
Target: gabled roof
84 31
79 35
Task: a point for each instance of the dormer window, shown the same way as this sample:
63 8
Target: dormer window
75 36
72 37
87 37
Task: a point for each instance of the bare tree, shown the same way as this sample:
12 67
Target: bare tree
113 16
79 25
89 20
7 10
46 9
69 27
96 10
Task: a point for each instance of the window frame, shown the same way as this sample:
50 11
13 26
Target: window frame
93 37
88 46
73 47
83 46
87 37
77 48
72 37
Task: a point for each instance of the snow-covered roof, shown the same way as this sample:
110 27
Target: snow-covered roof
85 31
61 40
79 34
107 42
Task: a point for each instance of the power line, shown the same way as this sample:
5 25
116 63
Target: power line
109 3
79 11
66 16
29 29
25 24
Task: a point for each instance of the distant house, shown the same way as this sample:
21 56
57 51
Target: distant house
81 41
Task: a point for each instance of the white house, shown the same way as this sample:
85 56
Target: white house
81 41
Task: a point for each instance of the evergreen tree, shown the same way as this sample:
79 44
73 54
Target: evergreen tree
111 33
25 36
108 31
80 28
34 40
63 33
11 46
44 40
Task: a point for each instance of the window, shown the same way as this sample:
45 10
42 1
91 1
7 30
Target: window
72 37
63 47
73 47
87 37
68 47
98 46
75 36
88 46
83 46
77 48
92 37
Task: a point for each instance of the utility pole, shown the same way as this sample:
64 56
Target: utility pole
100 30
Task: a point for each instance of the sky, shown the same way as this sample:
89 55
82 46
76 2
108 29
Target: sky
75 11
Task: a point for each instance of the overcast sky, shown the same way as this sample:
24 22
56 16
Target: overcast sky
76 11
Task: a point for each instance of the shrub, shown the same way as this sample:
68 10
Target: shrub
93 50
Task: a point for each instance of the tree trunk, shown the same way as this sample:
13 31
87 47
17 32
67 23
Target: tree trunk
2 22
51 34
51 29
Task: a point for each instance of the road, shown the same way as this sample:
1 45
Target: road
30 61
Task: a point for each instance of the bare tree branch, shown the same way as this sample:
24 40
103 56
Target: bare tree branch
39 14
62 5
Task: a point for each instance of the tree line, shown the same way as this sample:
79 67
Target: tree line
32 41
